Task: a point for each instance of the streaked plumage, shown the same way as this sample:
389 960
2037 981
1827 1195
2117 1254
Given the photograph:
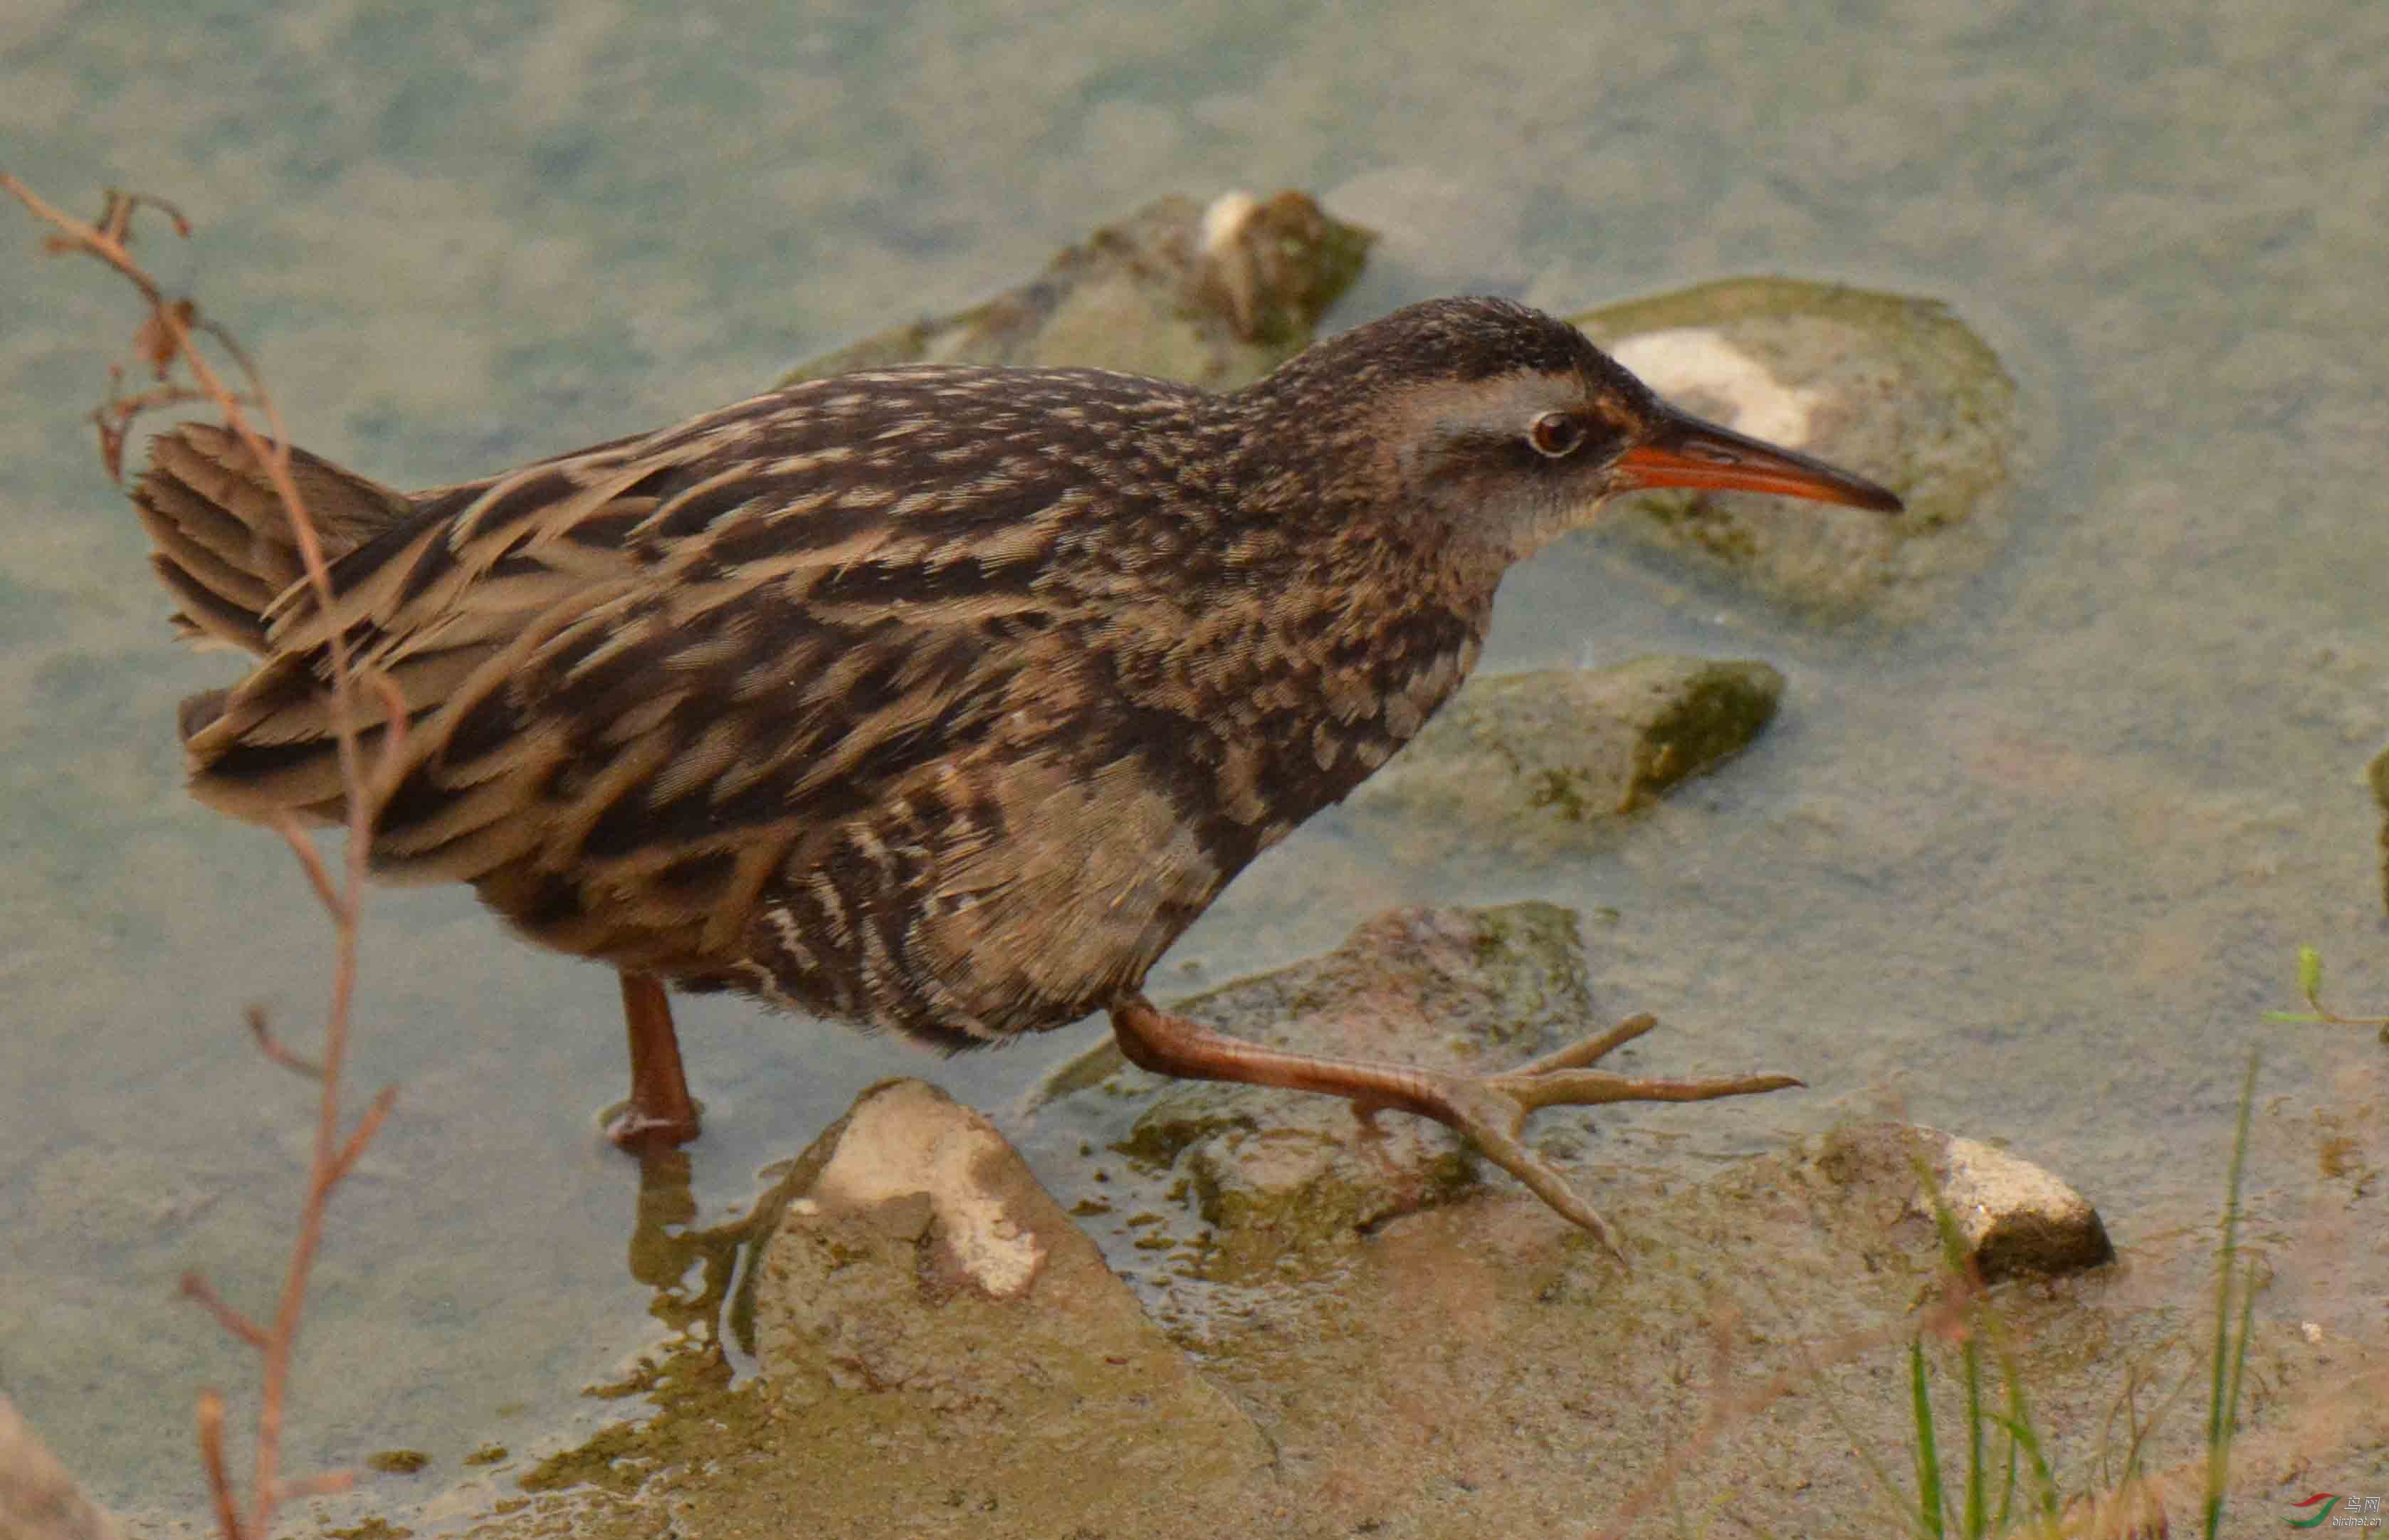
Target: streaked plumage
939 699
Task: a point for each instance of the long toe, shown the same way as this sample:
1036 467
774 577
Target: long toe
1593 1088
1491 1111
1592 1049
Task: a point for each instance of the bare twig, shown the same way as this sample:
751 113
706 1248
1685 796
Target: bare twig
273 1048
209 1416
318 875
198 1288
376 1114
168 339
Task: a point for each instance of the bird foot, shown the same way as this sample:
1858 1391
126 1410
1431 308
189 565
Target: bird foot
1491 1111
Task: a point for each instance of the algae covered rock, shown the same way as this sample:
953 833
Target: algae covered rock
1895 387
1216 295
1520 758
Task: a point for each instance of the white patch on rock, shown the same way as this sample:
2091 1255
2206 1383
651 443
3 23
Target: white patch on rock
1224 221
908 1139
1696 361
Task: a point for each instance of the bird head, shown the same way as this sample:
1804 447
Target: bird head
1504 428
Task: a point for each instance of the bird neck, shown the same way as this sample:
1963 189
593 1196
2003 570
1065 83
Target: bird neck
1335 622
1322 475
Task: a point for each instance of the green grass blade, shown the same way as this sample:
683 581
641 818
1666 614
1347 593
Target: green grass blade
2223 1405
1975 1516
1928 1459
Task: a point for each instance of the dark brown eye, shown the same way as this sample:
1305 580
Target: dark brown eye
1555 434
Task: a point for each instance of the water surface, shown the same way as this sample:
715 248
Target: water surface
2029 871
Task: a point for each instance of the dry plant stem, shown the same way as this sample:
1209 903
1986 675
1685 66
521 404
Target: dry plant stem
210 1416
232 1320
169 335
331 1160
309 862
275 1048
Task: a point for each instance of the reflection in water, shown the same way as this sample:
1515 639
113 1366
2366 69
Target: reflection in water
702 1277
700 1283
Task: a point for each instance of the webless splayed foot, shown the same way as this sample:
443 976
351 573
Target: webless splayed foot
939 699
1489 1111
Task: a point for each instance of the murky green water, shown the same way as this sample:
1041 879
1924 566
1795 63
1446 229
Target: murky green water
2029 871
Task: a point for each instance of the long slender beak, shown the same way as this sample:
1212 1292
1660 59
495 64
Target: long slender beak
1685 451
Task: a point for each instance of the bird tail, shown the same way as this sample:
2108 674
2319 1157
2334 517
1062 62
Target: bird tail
223 544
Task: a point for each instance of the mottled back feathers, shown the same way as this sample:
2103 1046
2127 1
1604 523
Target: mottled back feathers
938 699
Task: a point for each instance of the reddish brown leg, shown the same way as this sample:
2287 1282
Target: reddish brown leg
1487 1109
660 1113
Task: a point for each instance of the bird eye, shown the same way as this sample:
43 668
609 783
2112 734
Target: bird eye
1555 434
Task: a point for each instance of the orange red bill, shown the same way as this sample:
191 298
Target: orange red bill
1686 452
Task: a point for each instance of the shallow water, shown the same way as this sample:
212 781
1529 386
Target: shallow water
2029 871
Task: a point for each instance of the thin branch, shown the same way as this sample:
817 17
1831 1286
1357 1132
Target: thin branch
274 1049
169 335
106 240
375 1114
318 875
198 1288
114 417
393 732
209 1416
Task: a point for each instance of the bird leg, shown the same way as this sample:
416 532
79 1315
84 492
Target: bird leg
1489 1110
660 1113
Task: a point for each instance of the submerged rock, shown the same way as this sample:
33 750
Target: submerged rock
1216 295
1514 757
1895 387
